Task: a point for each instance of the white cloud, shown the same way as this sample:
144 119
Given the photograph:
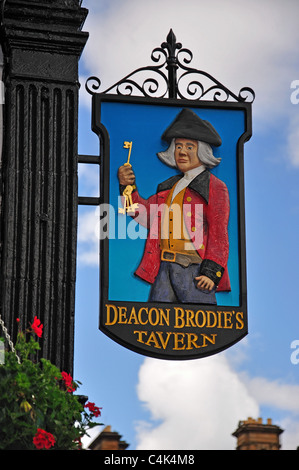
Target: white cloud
87 229
198 404
290 436
275 394
89 179
88 237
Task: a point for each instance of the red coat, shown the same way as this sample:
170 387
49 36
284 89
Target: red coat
212 193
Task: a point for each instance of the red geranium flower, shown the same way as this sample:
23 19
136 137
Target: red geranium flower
43 439
68 381
95 410
37 327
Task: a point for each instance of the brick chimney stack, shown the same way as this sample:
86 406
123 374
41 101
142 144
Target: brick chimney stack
254 435
108 440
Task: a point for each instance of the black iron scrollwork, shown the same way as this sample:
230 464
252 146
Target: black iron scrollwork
92 84
173 78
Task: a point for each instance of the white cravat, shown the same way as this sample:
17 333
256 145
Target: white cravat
186 180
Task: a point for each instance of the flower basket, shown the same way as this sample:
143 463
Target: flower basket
38 407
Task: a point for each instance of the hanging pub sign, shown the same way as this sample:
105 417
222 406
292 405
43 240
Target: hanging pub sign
172 223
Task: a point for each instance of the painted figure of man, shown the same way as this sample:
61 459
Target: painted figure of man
186 251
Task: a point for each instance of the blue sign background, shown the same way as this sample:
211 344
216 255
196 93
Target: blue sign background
143 124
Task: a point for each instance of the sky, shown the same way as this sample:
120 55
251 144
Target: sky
197 404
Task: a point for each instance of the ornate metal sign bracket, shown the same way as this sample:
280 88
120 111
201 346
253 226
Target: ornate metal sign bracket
190 83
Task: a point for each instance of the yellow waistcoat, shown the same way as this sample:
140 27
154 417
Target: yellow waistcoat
173 234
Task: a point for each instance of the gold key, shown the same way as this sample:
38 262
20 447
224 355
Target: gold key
128 145
128 205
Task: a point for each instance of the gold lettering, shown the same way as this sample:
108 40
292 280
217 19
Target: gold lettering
153 339
227 320
108 320
122 311
191 341
203 318
240 322
206 337
179 317
178 340
181 341
209 313
163 342
133 317
190 316
139 316
164 316
150 316
140 333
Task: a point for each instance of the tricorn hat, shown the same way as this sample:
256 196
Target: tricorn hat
189 125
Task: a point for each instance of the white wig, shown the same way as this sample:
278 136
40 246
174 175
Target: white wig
204 153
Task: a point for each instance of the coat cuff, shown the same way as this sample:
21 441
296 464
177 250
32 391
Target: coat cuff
212 270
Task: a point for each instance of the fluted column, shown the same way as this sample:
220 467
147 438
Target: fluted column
42 42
